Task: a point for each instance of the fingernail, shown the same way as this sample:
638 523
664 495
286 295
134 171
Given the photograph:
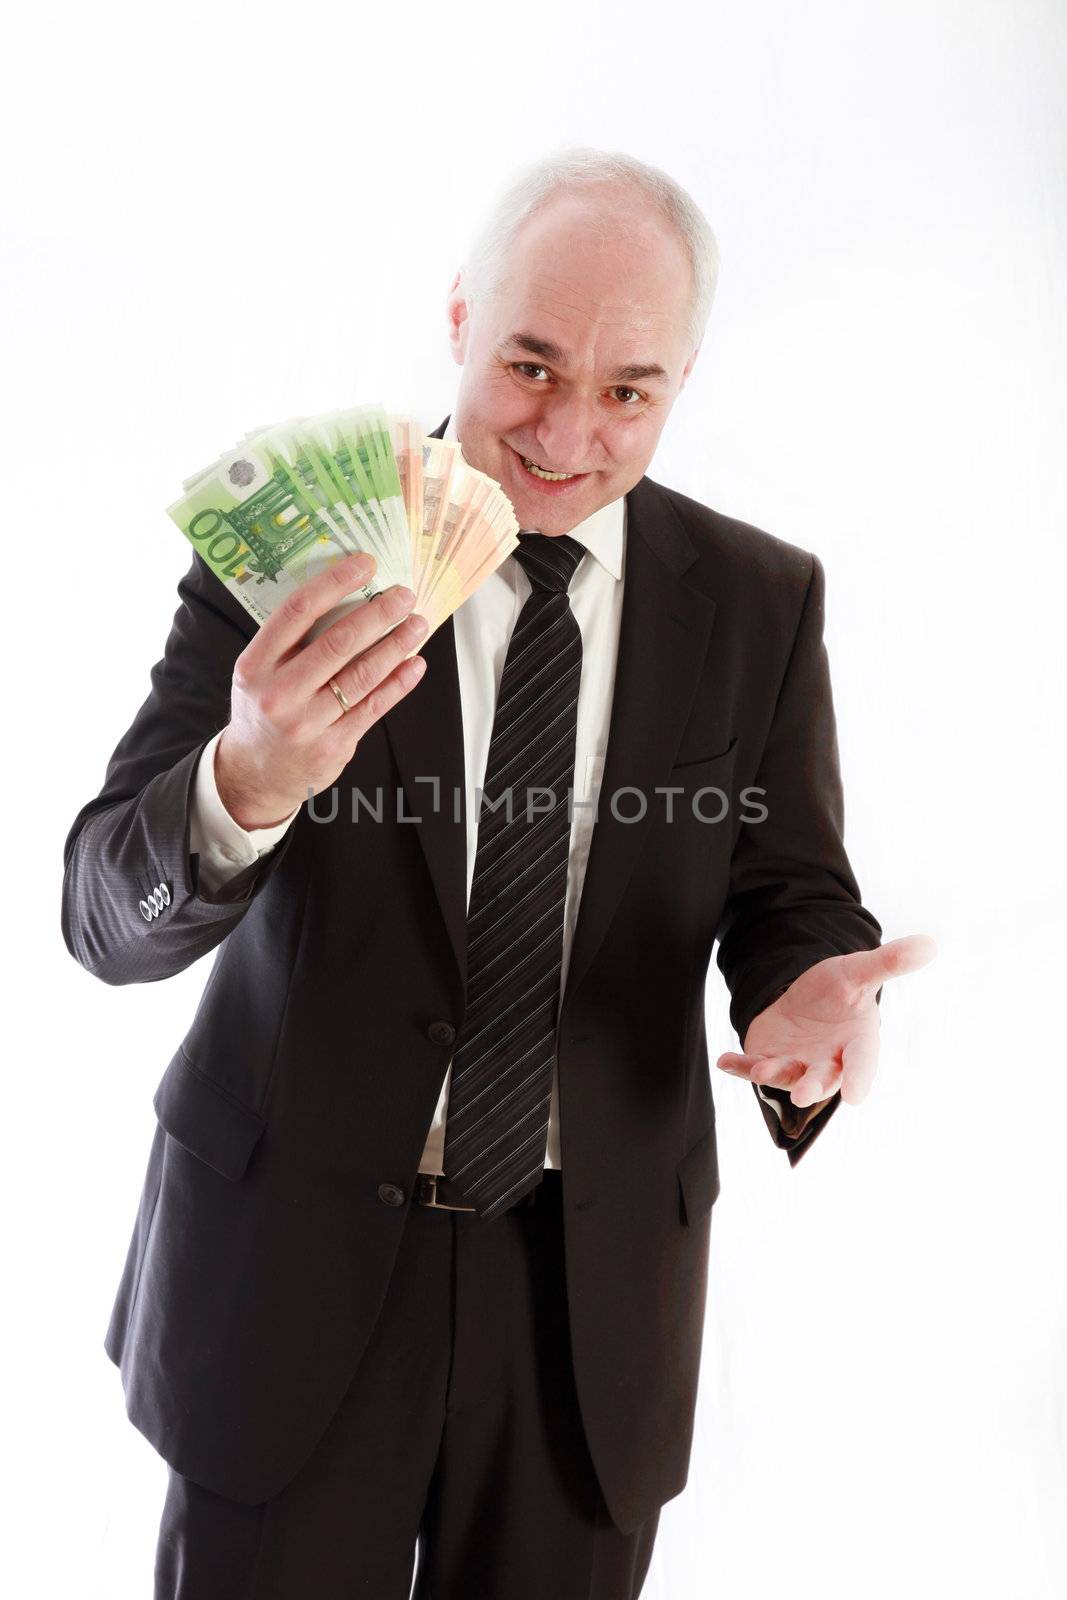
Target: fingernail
405 596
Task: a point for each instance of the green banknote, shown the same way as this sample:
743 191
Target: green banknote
291 499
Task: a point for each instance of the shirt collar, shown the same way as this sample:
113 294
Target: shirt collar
601 534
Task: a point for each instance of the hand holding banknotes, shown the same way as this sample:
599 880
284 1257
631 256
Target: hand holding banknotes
287 731
329 530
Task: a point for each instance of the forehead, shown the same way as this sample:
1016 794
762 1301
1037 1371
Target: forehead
609 271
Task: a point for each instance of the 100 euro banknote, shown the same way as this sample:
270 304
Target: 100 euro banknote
292 499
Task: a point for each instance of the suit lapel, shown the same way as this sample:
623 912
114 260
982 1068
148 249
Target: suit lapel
425 730
663 641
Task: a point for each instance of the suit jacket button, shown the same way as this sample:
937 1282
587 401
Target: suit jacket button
442 1033
391 1194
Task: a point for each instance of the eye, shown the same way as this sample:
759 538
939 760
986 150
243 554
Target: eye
528 367
623 390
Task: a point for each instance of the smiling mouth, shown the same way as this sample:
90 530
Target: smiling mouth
537 471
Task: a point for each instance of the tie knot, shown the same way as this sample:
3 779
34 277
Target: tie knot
549 562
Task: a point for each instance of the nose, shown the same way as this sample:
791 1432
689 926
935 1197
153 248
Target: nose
565 433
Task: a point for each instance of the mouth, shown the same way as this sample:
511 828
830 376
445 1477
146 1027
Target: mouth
544 477
547 474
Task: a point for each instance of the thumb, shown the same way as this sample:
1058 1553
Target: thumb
868 969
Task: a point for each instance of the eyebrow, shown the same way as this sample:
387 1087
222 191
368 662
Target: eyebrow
552 352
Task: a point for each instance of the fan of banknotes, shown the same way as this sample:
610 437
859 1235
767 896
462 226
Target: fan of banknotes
290 500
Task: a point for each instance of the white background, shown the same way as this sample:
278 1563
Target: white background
219 214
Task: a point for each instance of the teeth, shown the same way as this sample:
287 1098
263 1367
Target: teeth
540 472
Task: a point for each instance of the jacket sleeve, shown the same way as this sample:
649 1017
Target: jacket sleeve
133 908
793 898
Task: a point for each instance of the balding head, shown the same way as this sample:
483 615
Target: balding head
574 349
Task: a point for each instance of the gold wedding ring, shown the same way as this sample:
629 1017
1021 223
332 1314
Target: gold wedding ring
341 701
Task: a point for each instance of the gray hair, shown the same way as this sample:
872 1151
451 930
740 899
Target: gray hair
577 167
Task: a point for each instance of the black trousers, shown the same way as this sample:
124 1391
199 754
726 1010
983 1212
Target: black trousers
459 1443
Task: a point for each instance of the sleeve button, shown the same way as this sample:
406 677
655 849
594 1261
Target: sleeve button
391 1194
442 1032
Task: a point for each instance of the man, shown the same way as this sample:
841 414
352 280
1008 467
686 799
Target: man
423 1243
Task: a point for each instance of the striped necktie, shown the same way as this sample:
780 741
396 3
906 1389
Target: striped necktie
496 1130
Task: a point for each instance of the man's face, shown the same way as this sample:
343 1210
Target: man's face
574 363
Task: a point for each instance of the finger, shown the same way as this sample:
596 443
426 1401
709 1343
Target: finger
350 636
391 689
779 1071
359 678
819 1082
868 969
859 1060
284 628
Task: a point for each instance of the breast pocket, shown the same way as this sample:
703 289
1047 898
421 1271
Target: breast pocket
692 763
699 791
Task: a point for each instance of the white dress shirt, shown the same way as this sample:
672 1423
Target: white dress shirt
483 625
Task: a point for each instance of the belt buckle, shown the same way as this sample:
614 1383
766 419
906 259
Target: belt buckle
440 1205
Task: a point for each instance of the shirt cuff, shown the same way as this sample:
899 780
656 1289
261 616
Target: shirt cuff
224 847
793 1119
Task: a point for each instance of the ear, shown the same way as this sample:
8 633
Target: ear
458 312
689 365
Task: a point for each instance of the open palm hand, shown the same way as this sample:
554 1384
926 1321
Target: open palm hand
822 1034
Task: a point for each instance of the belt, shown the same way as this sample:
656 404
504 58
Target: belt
433 1189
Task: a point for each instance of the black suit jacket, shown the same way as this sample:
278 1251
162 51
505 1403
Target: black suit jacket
299 1101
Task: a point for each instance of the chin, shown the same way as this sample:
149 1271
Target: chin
534 512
